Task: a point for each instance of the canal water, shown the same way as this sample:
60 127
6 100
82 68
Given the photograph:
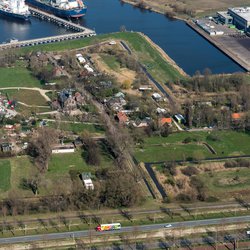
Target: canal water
185 46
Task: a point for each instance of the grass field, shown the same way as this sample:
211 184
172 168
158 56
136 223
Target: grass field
17 76
29 97
111 61
78 127
228 143
147 55
5 175
14 169
60 164
220 181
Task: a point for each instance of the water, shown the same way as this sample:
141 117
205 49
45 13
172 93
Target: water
185 46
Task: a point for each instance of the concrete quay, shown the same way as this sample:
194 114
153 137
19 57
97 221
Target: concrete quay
46 40
230 46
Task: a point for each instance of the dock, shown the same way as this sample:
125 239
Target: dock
79 32
228 45
57 20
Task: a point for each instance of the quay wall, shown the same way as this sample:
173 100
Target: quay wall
221 47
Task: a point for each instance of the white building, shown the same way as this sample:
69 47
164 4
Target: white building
156 96
88 68
80 58
88 184
61 149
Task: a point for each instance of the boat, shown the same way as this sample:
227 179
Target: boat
61 8
14 9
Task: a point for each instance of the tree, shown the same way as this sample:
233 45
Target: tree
40 147
92 151
120 190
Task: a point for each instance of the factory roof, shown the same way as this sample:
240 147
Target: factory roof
243 12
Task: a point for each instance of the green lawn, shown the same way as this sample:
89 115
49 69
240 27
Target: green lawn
17 76
228 143
218 182
170 153
60 164
78 127
5 175
111 61
146 54
29 97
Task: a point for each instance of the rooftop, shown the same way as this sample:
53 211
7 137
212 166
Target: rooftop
243 12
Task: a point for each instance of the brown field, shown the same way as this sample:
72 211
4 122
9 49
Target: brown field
220 182
122 74
199 6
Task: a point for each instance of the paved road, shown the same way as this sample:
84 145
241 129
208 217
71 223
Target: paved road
152 227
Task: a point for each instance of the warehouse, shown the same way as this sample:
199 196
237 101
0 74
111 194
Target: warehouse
241 17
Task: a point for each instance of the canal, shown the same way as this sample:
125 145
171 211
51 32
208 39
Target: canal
185 46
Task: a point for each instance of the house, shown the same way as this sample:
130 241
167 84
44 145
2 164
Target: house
156 96
112 42
88 68
119 95
55 105
63 96
179 118
160 111
61 149
9 127
80 58
122 117
140 123
105 84
116 104
70 103
145 88
236 116
165 120
58 72
88 184
79 98
86 179
6 147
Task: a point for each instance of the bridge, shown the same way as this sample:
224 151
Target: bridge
81 32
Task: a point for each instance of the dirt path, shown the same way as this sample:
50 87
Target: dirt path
41 91
164 55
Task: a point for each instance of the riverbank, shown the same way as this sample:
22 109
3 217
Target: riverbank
185 10
155 8
165 55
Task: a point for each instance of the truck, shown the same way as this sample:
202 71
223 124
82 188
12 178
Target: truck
108 227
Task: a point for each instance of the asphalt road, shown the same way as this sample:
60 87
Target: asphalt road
152 227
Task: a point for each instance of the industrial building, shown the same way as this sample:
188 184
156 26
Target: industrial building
224 17
241 17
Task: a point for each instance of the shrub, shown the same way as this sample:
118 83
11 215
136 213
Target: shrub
213 137
187 140
170 181
189 171
184 197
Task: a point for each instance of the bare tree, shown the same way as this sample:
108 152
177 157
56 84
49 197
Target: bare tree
40 147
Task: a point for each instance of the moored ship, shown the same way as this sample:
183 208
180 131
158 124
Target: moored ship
14 9
61 8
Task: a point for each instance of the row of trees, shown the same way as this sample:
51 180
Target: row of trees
116 189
